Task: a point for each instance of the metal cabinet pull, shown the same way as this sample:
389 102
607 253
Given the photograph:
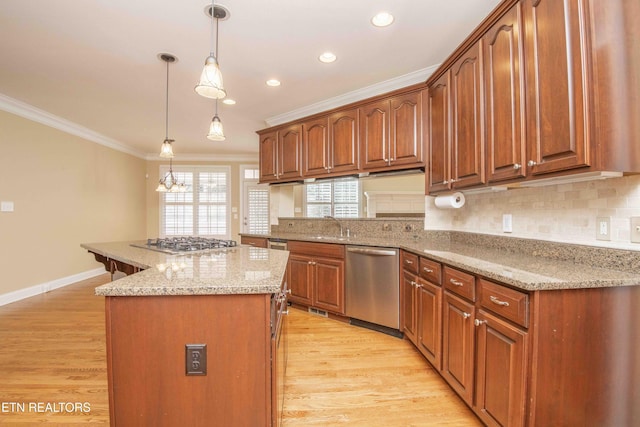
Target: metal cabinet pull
455 282
428 270
517 166
466 315
498 302
479 322
407 261
531 163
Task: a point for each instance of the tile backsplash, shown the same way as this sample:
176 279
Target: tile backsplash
561 213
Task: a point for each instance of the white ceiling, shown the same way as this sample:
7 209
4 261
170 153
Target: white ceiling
92 66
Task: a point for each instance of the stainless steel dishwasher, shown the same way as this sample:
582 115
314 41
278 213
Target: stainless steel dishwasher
372 289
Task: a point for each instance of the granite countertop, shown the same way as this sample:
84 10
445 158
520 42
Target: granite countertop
522 263
237 270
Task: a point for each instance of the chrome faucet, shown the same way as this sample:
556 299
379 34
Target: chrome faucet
339 224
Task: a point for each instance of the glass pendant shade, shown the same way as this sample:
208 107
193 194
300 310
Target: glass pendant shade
166 151
211 85
216 133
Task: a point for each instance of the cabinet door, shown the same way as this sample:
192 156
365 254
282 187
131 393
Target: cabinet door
504 97
328 291
501 381
315 143
343 141
290 152
269 157
438 135
467 137
406 129
429 316
557 80
408 295
458 345
374 135
300 279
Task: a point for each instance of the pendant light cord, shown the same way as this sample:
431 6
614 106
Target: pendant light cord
212 16
166 118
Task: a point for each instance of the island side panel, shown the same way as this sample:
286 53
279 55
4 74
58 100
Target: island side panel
586 361
146 338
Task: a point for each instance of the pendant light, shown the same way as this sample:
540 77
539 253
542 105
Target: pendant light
216 133
168 183
211 85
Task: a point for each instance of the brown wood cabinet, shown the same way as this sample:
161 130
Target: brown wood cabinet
258 242
504 98
391 132
146 360
316 275
330 144
409 310
281 154
558 82
542 99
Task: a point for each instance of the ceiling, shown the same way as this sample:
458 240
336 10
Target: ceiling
92 67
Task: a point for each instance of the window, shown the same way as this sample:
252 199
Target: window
339 198
201 211
255 207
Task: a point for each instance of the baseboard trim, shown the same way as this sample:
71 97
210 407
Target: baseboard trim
31 291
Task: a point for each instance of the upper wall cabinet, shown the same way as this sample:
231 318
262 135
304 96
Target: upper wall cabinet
391 133
281 154
330 144
504 98
535 92
556 47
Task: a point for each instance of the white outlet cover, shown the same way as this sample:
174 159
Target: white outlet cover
6 206
603 228
507 223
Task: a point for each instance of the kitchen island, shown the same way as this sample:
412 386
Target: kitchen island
193 339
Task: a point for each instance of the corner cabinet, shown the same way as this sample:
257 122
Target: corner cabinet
391 132
316 275
281 154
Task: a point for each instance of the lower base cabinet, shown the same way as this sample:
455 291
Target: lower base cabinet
501 358
543 358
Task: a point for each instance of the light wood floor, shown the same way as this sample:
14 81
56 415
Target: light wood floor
52 349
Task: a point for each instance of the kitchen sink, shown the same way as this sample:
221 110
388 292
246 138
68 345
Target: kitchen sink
329 238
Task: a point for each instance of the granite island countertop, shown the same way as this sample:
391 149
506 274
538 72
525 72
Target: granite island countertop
526 264
236 270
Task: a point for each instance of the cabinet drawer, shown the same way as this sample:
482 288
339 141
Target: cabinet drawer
327 250
511 304
431 271
258 242
410 262
460 283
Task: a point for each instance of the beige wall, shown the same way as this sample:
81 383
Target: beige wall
564 212
66 191
153 197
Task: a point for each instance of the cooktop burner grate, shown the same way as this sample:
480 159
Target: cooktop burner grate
185 244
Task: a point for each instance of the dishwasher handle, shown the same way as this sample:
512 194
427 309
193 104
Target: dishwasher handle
367 251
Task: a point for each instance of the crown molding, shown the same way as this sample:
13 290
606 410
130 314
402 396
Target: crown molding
32 113
418 76
240 158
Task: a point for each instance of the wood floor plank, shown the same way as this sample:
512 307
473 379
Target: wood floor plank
340 374
52 349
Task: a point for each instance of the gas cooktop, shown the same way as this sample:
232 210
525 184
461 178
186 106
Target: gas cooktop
178 245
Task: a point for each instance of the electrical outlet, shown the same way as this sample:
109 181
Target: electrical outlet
603 228
408 227
507 223
635 229
196 359
386 227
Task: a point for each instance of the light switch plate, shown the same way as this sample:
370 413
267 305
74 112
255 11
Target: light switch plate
6 206
635 229
603 228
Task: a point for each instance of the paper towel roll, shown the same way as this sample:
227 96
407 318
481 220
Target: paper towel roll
453 201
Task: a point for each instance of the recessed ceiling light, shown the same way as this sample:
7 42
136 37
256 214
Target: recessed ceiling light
382 19
229 101
273 82
327 57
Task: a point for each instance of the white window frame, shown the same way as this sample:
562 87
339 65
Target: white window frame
195 169
332 202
